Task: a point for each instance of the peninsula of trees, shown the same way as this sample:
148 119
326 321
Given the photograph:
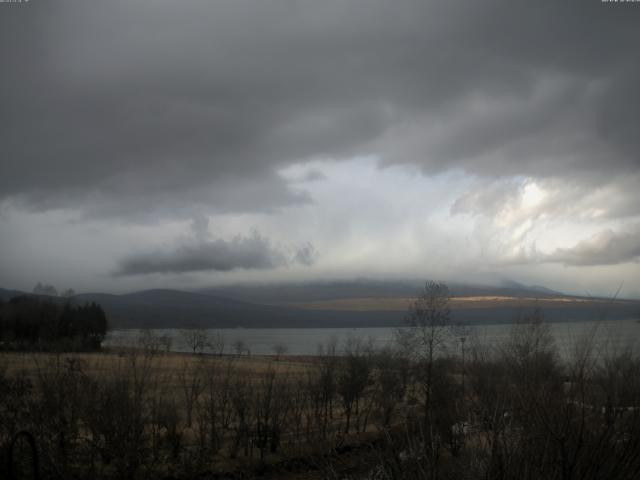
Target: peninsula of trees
38 323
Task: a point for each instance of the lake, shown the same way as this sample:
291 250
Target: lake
612 334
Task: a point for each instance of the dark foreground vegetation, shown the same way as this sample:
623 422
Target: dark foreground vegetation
37 323
438 405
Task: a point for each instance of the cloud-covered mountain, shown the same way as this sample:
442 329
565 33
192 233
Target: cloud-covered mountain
367 137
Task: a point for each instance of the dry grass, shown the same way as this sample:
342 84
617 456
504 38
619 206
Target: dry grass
166 365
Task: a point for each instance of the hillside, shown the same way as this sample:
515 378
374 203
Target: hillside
295 293
172 308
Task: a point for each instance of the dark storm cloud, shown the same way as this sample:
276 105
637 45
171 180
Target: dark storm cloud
605 248
199 253
129 108
254 252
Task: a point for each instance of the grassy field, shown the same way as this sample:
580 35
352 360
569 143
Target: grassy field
31 364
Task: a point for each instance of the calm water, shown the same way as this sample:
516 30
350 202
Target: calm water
614 334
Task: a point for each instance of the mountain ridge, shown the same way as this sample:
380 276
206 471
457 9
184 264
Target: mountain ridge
168 308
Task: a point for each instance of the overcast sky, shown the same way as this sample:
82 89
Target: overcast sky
157 143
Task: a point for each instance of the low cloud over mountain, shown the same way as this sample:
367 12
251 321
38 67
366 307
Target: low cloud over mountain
416 138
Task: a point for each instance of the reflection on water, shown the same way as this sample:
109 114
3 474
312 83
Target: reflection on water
613 334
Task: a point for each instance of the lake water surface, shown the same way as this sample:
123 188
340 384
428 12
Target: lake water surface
610 335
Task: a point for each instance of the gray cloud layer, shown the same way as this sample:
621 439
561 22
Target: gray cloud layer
157 111
130 109
253 252
605 248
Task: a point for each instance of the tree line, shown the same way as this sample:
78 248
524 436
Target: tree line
32 322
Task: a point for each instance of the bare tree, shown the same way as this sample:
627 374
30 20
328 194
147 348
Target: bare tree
300 405
242 416
389 386
215 412
165 342
217 344
354 378
279 349
327 381
149 342
192 385
196 339
271 406
423 339
240 347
